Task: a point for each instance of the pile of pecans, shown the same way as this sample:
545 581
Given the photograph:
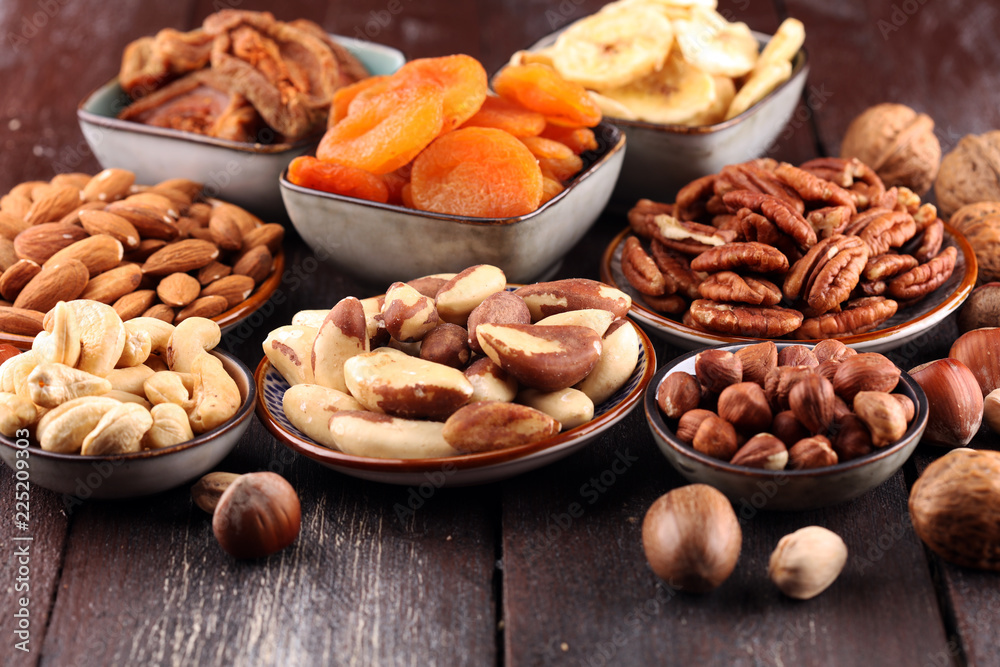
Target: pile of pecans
158 251
799 408
765 249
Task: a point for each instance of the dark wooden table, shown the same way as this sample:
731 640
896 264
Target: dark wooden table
498 573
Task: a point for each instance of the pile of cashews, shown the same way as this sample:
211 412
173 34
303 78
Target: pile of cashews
92 384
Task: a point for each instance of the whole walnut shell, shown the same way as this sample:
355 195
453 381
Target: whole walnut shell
980 223
898 143
969 173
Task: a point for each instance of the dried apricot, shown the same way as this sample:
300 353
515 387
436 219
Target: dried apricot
462 78
550 188
337 178
556 160
579 139
343 97
406 196
394 182
477 171
503 115
540 88
388 130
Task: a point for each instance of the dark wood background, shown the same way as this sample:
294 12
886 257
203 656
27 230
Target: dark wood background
493 574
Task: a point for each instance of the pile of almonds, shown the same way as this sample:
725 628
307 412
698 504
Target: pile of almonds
158 251
799 408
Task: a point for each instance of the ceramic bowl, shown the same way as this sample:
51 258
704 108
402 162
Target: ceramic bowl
242 173
380 243
141 473
752 489
663 158
908 323
453 470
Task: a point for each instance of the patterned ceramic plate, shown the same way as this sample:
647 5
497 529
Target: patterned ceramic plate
458 470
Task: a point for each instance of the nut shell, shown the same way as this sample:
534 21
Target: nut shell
898 143
258 515
969 173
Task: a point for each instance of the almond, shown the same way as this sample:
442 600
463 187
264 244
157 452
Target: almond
114 284
180 199
151 223
243 219
20 321
206 306
8 254
109 185
73 217
56 202
115 226
178 289
40 242
190 188
161 311
153 200
201 212
25 189
134 304
255 263
269 235
180 257
212 272
98 253
16 277
234 288
77 179
11 225
16 205
225 231
64 282
145 248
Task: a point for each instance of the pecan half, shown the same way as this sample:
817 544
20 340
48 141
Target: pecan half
924 279
640 269
691 199
871 288
834 169
882 229
676 271
672 304
828 273
858 316
742 320
753 177
813 188
690 238
753 256
729 286
640 216
930 241
888 265
777 211
830 220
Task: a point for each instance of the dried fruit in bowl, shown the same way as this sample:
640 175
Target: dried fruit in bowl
337 178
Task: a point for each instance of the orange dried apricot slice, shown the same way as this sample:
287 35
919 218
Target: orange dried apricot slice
556 160
462 78
394 182
406 196
343 97
579 139
388 130
550 188
540 88
477 171
339 179
507 116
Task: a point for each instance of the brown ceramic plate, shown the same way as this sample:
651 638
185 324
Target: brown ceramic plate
906 324
227 320
752 489
453 470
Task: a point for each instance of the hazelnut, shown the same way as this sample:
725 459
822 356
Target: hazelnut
779 383
758 360
745 407
827 369
898 143
689 422
970 173
852 439
882 414
991 410
981 309
716 438
954 400
717 369
809 453
909 409
840 408
678 393
787 428
762 451
692 538
806 562
257 515
811 400
207 490
955 508
980 223
797 355
979 350
868 371
833 350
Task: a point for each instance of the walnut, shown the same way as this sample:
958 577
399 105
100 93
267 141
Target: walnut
969 173
980 223
898 143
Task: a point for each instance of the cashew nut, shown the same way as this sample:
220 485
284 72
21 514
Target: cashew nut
216 396
14 373
15 413
126 397
51 385
289 349
309 406
119 431
102 336
138 345
170 387
157 363
61 343
190 339
63 429
170 427
158 330
130 379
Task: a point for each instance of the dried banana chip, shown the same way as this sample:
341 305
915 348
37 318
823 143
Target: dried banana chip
762 82
713 44
675 94
785 43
